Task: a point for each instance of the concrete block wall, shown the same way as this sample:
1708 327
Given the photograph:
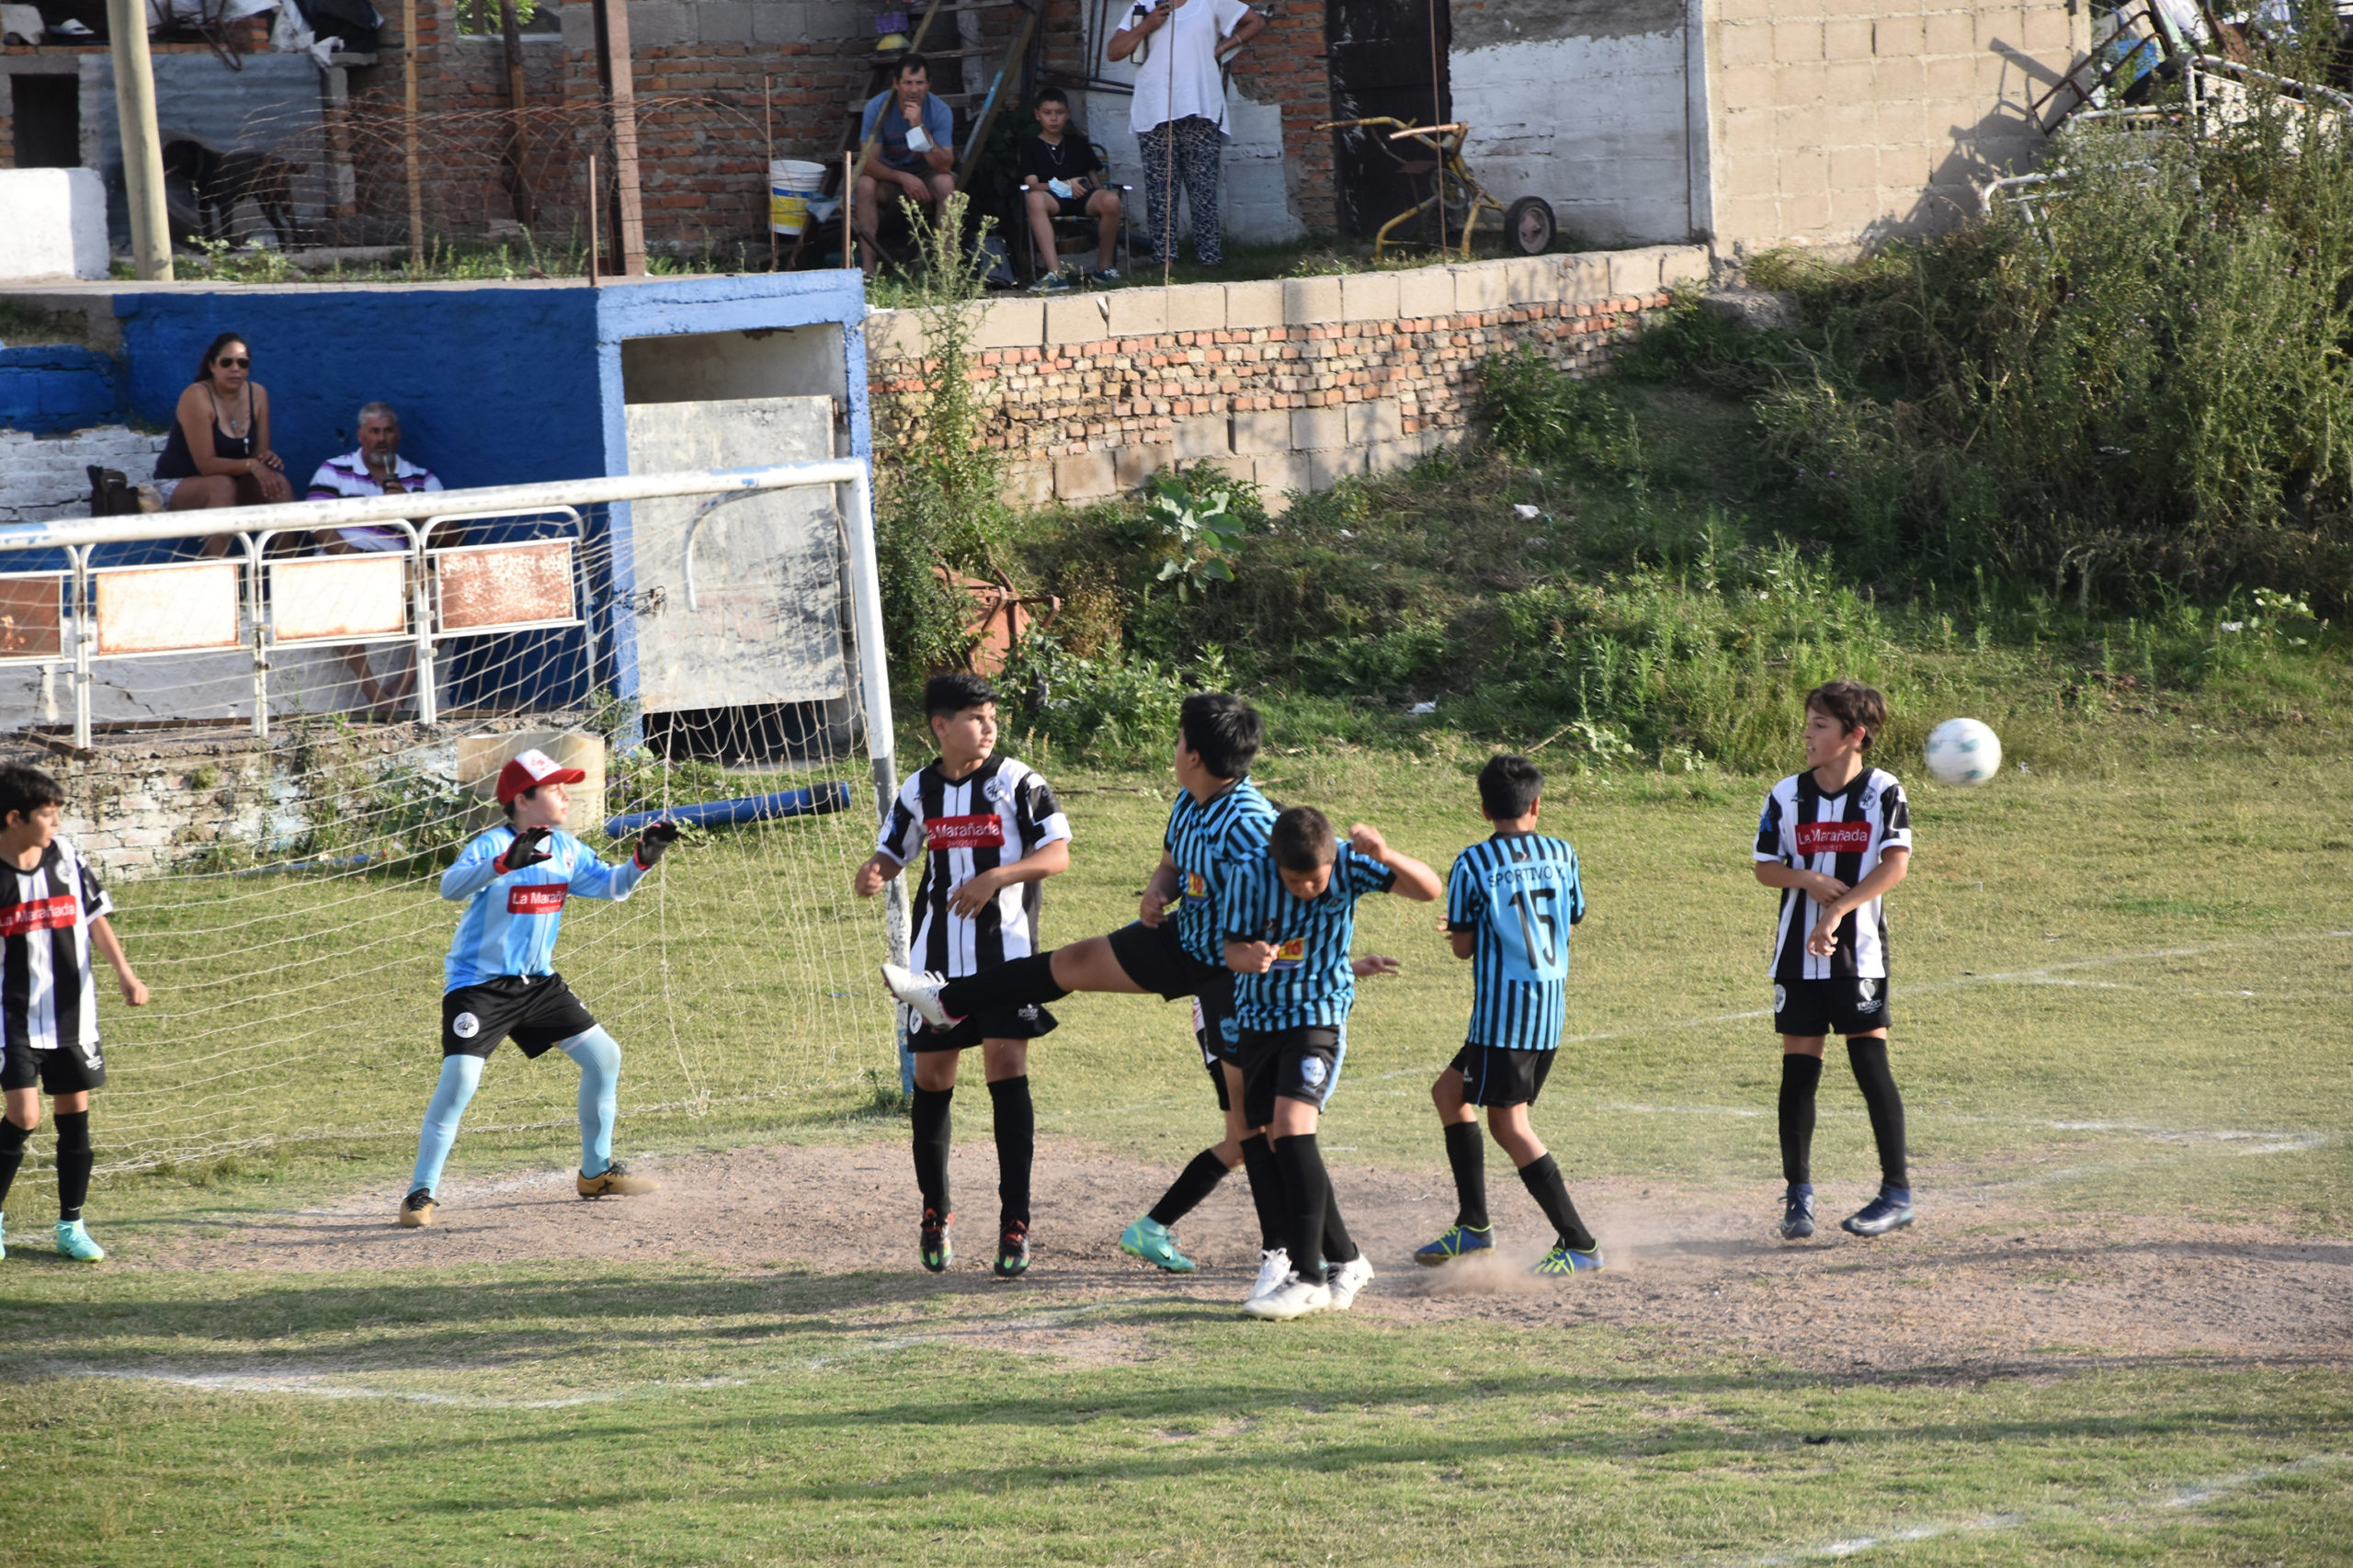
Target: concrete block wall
42 477
1292 382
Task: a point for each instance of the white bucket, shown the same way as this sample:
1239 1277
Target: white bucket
792 185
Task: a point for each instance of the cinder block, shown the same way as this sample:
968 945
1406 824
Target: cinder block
1383 420
1082 319
1585 278
2049 32
1310 302
1949 32
1204 435
660 24
1846 40
1744 87
1029 485
1326 469
1279 472
1262 430
1085 476
1388 457
1684 266
1133 465
1795 41
1898 37
1253 305
1197 307
1481 286
894 335
1532 280
771 23
1425 292
1138 313
1011 324
1314 429
1744 44
1368 296
720 21
1633 272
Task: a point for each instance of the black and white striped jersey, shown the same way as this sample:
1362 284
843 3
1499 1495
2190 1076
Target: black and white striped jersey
1000 812
46 993
1843 835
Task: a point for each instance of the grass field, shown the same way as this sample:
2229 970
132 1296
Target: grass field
2120 1015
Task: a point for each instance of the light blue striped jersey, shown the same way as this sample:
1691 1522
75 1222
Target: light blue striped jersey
1311 983
1519 894
1207 841
510 923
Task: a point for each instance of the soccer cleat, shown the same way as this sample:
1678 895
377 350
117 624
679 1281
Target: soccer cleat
417 1209
1294 1298
1563 1260
920 991
1155 1243
1012 1251
1274 1267
938 1248
614 1181
1457 1240
1797 1215
1346 1279
74 1242
1890 1210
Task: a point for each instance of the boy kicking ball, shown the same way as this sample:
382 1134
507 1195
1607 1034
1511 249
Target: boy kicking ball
1835 839
514 881
992 831
1509 905
52 912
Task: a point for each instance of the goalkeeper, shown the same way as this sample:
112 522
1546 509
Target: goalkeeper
514 881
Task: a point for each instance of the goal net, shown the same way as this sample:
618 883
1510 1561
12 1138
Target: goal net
272 753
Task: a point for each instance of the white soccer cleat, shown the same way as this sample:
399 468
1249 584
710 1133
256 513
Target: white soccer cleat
920 991
1274 1267
1294 1298
1347 1280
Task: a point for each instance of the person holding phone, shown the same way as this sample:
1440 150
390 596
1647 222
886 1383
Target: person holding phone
910 142
1180 48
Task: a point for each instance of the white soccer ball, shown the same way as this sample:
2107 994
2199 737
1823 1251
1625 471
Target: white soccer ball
1963 752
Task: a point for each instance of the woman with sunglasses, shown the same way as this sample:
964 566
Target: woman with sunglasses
218 453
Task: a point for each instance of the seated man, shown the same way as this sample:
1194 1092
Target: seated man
1061 177
377 468
910 142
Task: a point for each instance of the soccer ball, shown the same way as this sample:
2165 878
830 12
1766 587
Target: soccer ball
1963 752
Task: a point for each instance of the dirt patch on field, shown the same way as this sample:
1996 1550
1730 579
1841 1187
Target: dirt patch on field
1986 1281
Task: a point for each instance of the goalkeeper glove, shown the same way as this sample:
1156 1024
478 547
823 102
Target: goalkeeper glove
657 837
524 852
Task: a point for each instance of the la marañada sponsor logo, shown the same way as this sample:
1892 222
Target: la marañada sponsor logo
983 832
1834 838
37 915
545 898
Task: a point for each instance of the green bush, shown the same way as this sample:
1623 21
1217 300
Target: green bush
1538 412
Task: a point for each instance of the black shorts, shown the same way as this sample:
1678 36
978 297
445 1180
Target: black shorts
1300 1064
1219 1037
1808 1007
67 1070
1497 1074
1155 959
1009 1023
1071 206
539 1011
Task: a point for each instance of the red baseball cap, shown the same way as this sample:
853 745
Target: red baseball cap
529 771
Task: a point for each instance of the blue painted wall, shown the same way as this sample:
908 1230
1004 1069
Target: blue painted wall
49 388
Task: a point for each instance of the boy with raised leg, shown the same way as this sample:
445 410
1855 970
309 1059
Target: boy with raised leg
498 980
1834 839
991 831
1510 904
1290 919
53 913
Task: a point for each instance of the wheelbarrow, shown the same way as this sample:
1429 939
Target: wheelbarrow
1455 207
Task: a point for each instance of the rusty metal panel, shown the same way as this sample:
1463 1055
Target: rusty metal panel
338 597
494 585
164 609
30 624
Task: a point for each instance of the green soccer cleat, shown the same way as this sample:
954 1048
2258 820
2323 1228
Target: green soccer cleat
1456 1241
74 1242
1012 1251
936 1246
1561 1260
1155 1243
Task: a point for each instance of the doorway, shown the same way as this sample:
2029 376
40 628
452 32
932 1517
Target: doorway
48 123
1386 57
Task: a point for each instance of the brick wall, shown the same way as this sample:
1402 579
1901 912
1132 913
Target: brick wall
1285 66
1294 382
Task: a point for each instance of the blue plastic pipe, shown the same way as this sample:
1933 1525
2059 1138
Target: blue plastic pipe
813 801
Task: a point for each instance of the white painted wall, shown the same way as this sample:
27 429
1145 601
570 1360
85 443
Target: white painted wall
52 224
45 477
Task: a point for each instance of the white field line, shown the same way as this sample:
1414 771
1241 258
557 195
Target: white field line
2109 1515
314 1385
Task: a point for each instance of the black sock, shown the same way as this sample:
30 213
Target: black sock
931 1147
1338 1245
1266 1190
74 1158
12 1153
1869 1059
1801 1076
1195 1182
1466 1150
1017 1146
1546 1185
1307 1192
1000 988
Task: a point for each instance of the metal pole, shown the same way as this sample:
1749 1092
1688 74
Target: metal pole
80 556
422 600
143 149
595 237
849 212
768 131
874 686
408 135
261 646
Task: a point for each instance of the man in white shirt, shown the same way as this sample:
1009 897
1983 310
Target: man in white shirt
376 468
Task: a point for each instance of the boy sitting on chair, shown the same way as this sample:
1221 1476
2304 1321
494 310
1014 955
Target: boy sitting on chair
1061 177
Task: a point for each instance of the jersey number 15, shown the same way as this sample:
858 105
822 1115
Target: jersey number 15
1540 913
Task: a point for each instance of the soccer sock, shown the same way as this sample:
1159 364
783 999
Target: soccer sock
460 1076
1017 1146
1195 1182
599 1055
1307 1192
1266 1190
1545 1184
74 1158
1017 983
12 1155
1869 1058
1338 1245
931 1147
1801 1076
1466 1150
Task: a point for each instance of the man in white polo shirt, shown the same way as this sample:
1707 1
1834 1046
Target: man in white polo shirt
377 468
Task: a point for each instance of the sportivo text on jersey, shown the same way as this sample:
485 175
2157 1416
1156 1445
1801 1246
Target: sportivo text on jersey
1842 834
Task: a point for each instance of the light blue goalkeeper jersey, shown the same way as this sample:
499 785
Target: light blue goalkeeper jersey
510 923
